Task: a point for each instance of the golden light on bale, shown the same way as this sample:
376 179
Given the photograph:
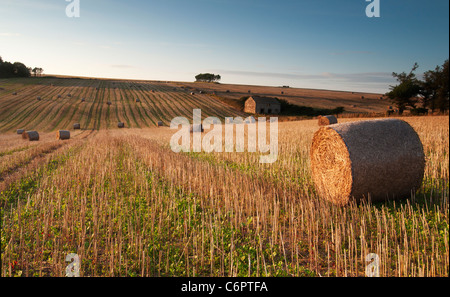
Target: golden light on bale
121 125
76 126
63 135
30 135
20 131
381 159
327 120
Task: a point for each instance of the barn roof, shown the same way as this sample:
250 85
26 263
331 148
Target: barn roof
265 100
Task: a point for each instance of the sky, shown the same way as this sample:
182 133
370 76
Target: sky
318 44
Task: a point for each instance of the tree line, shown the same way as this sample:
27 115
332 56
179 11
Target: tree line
432 92
207 77
17 69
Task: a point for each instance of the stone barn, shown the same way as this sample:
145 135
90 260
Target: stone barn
262 105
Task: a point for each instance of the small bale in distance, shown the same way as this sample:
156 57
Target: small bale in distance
76 126
109 103
30 135
327 120
15 93
160 124
138 100
63 135
20 131
121 125
381 159
39 98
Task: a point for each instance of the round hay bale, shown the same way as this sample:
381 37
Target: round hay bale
20 131
362 97
83 99
38 98
76 126
192 93
15 93
381 159
327 120
121 125
59 96
197 128
138 100
69 95
30 135
109 103
160 124
63 135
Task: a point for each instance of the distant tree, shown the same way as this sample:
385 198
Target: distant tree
35 69
17 69
20 70
405 93
435 88
207 77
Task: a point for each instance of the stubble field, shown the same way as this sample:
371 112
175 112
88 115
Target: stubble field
129 206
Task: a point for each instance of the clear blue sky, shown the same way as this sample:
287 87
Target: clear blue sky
325 44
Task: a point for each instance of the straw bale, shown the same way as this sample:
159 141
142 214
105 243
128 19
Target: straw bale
381 159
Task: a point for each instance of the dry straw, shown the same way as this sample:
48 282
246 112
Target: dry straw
63 135
31 135
381 159
327 120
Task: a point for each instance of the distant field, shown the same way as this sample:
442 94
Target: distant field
158 102
351 101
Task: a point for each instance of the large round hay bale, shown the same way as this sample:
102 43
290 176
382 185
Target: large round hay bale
76 126
121 125
381 159
327 120
30 135
20 131
63 135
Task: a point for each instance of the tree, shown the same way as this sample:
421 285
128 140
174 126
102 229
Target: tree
20 70
435 88
208 77
406 92
17 69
